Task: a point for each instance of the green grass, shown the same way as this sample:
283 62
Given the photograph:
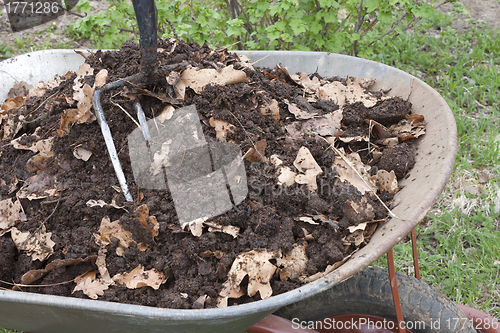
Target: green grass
459 241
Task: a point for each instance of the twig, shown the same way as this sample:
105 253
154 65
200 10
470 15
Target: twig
391 214
34 285
126 112
173 29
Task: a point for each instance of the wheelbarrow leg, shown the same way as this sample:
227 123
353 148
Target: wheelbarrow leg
395 292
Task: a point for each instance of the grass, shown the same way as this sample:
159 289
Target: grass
459 240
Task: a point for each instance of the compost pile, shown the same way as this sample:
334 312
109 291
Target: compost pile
319 154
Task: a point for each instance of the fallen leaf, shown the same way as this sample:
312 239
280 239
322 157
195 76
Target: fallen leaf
306 164
351 93
11 213
100 78
483 178
35 274
91 286
226 293
293 264
361 226
326 125
310 85
272 109
256 265
109 230
37 245
308 219
39 186
297 112
82 153
357 238
200 302
387 181
352 170
195 226
221 128
139 278
166 113
227 229
358 211
286 176
197 79
12 103
19 89
102 203
149 222
258 152
411 127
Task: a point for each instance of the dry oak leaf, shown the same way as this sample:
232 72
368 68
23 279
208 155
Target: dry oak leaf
271 108
351 171
82 153
256 265
226 293
306 164
39 186
139 278
310 85
91 286
342 94
221 128
12 103
297 112
10 213
387 181
37 245
293 264
109 230
356 212
149 222
286 176
197 79
256 153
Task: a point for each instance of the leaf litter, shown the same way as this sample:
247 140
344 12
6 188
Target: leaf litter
319 153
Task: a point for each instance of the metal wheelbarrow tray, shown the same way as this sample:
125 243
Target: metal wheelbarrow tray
420 189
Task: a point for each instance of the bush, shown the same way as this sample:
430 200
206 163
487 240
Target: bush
356 27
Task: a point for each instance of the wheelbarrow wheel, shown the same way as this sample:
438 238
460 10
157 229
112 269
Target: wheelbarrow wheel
425 310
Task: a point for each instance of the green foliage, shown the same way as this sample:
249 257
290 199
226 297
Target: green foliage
5 51
350 27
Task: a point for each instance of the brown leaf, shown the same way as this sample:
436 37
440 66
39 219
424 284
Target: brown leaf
221 128
149 222
306 163
91 286
139 278
82 153
37 245
342 94
100 78
387 181
227 229
297 112
358 211
11 213
258 152
256 265
33 275
351 171
39 186
200 302
12 103
108 230
286 176
197 79
293 264
272 109
19 89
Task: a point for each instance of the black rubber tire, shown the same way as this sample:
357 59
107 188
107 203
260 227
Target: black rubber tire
369 292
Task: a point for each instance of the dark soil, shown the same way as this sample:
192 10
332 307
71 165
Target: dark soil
193 266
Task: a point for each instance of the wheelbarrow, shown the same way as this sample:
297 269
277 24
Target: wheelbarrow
434 164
